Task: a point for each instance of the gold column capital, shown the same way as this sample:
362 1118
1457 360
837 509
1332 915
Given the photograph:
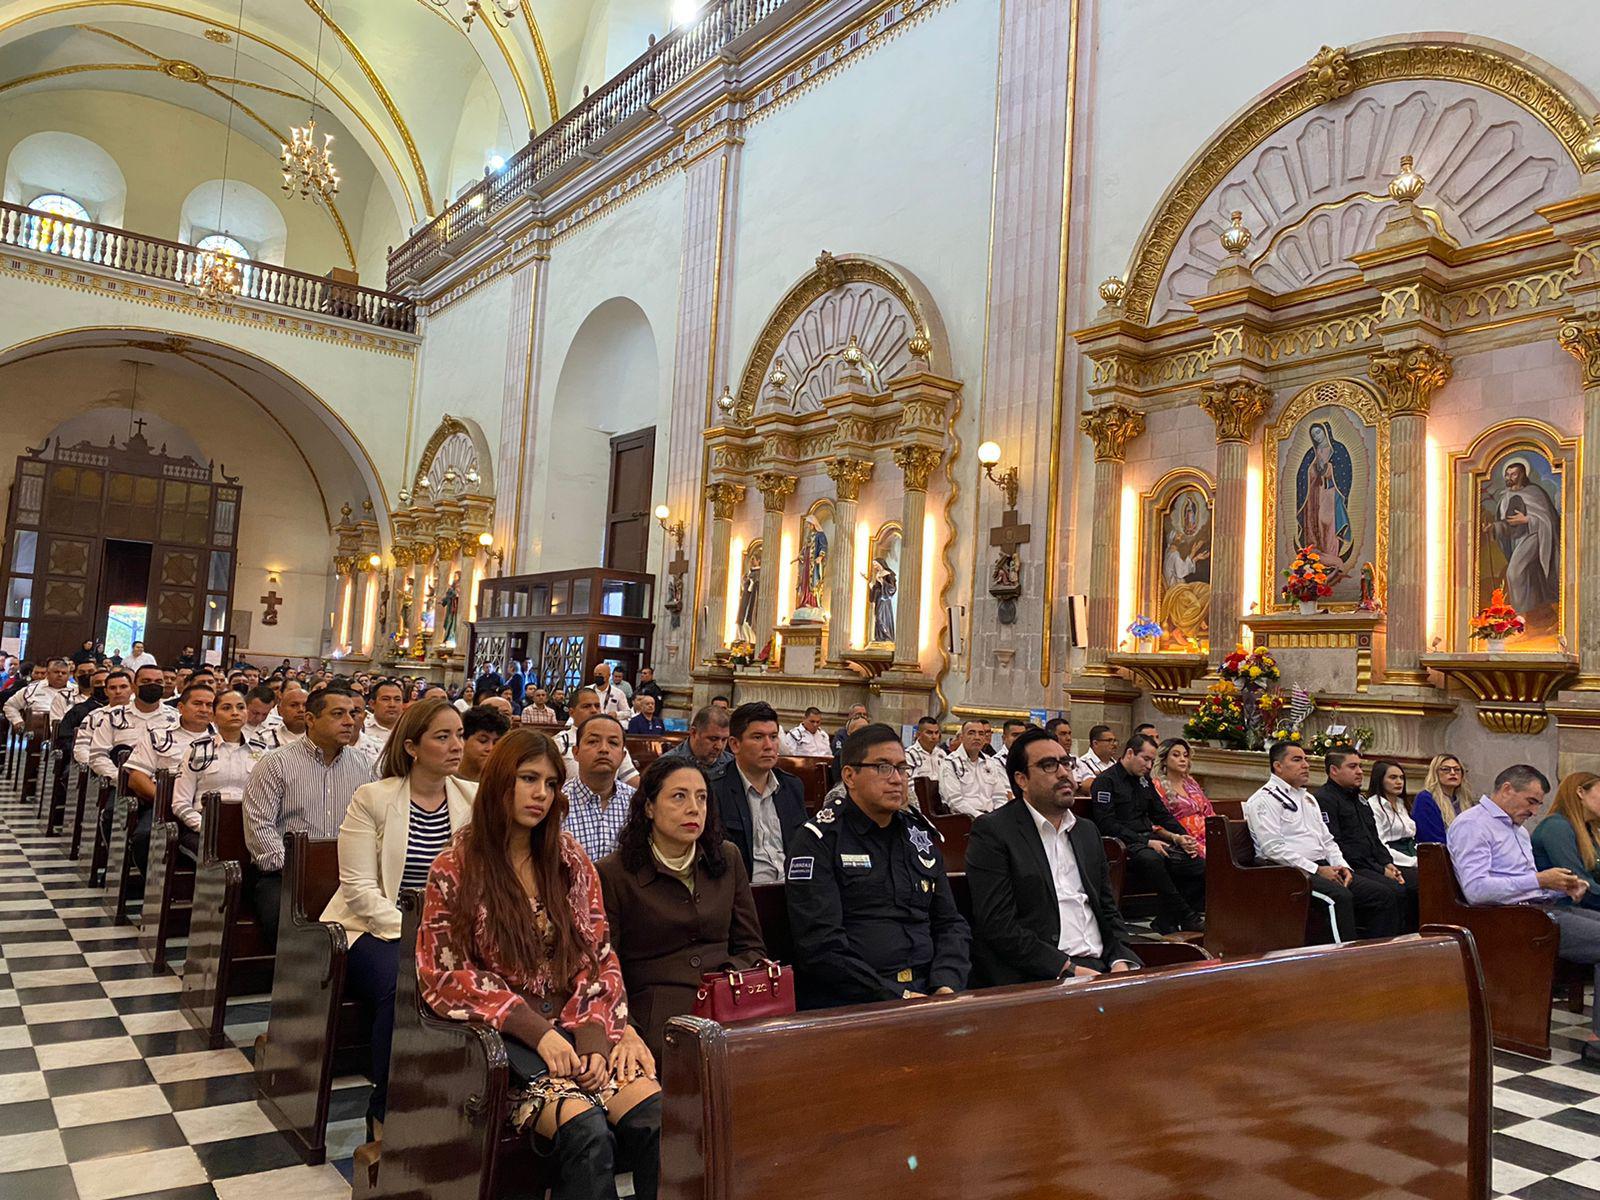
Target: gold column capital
344 565
917 462
775 488
1580 337
1111 427
848 474
724 497
401 554
1236 407
1407 378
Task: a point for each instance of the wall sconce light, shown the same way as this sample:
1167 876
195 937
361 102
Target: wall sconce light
486 540
374 561
673 529
1007 480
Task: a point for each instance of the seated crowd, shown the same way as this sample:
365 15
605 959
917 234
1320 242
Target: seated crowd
575 903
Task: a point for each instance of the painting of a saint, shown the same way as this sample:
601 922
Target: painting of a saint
1520 540
1185 605
1322 500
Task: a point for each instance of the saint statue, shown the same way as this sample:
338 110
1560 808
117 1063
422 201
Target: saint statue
1528 529
813 571
383 609
749 590
881 592
450 606
1322 490
406 598
428 605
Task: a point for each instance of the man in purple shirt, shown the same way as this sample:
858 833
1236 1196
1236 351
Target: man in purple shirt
1493 859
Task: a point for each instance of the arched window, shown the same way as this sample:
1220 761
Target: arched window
221 241
58 205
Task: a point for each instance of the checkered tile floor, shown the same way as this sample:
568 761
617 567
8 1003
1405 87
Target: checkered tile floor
105 1090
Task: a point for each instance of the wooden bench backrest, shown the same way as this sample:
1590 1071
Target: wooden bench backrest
647 747
165 782
1291 1056
927 792
955 828
310 872
772 909
813 776
1251 907
222 830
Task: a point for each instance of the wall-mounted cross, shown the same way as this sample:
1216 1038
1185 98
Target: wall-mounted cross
271 600
1010 533
677 568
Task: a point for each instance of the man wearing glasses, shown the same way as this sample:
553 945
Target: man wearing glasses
869 902
1042 916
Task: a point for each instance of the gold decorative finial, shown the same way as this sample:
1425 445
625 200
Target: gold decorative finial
1113 290
726 402
852 352
1589 149
1329 74
779 376
405 497
920 345
345 511
1235 238
366 506
1407 186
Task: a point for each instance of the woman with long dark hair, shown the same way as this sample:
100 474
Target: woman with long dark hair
1391 810
678 897
514 934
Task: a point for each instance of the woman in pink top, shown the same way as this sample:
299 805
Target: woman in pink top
1181 791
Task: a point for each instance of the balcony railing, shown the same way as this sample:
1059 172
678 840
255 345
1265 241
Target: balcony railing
667 63
175 263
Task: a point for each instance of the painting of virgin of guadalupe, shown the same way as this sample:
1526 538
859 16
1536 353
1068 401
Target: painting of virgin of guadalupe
1322 500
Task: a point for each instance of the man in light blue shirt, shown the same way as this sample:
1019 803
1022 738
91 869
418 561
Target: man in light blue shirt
1493 859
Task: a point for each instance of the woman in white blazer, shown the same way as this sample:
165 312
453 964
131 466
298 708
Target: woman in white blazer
392 832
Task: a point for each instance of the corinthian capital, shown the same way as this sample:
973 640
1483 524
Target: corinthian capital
917 463
1581 339
1111 428
724 497
848 474
1235 407
1408 378
775 488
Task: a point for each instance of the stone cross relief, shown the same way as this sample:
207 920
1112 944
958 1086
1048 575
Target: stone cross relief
271 600
1005 579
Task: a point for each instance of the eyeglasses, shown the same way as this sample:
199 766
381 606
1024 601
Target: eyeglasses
886 769
1052 766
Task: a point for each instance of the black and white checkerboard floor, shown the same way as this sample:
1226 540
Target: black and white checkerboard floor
106 1092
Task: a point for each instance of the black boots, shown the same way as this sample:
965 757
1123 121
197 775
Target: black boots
585 1159
639 1146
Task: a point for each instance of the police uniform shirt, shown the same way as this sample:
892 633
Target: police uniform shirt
970 787
802 742
213 764
125 725
83 739
164 750
40 698
1287 826
871 908
275 737
1127 806
374 738
924 764
1090 765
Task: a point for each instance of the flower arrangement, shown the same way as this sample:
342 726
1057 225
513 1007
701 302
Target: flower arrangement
741 652
1497 621
1218 718
1143 627
1245 709
1285 734
1345 739
1307 577
1255 668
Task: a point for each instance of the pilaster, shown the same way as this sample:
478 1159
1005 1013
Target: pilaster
519 403
848 475
724 498
1236 408
916 463
1111 427
775 487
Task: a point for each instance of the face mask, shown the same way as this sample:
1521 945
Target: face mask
151 693
100 694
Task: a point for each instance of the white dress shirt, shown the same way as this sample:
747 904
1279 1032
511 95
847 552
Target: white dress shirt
972 788
213 765
802 742
614 700
134 661
766 838
1392 827
1287 826
125 725
1080 932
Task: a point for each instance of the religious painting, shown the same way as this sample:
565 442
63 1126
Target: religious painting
1177 560
883 585
1513 507
1326 466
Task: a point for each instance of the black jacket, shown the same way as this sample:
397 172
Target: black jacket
1127 806
1354 827
734 806
1016 920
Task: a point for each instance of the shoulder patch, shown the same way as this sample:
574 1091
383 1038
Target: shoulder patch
1102 797
826 814
800 868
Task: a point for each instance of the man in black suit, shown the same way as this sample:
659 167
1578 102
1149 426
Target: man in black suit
1344 808
761 806
1042 903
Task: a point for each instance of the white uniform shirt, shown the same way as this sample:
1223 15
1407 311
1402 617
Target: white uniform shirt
614 700
924 763
1090 765
39 697
567 739
125 725
277 736
164 750
969 787
134 661
801 741
82 738
1080 932
213 765
1287 826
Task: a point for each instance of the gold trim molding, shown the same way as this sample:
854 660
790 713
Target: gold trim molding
1460 62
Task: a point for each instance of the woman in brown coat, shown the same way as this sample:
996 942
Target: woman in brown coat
677 897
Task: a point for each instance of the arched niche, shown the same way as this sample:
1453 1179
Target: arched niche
1175 564
70 165
241 212
455 459
1494 131
883 585
1535 562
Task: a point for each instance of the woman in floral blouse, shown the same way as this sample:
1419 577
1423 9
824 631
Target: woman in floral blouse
514 934
1184 797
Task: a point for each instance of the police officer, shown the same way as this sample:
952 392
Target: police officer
164 751
1161 856
218 761
869 901
48 697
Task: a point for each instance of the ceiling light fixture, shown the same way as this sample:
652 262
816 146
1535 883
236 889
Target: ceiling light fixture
307 167
499 11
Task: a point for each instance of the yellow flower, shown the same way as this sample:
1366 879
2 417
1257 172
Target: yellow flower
1255 672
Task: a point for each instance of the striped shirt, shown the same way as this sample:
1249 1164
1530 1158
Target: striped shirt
294 789
427 835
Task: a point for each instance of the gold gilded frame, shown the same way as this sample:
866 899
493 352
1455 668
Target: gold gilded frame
1467 470
1153 506
1359 399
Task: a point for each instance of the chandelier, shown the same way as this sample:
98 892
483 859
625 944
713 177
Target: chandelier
500 11
219 277
307 167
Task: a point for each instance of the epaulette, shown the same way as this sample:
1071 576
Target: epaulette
824 817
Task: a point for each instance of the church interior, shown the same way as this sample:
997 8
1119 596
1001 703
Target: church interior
979 366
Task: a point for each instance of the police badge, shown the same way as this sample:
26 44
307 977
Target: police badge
921 841
825 815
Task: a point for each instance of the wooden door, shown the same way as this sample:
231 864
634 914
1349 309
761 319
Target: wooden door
633 457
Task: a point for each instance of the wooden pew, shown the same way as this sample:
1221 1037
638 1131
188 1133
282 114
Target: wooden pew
169 882
120 868
955 829
647 747
85 775
105 797
1250 908
227 953
312 1023
37 726
1518 946
927 793
446 1135
56 814
813 776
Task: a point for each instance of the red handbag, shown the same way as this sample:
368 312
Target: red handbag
766 990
